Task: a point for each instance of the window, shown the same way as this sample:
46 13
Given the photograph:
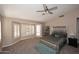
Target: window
27 29
38 30
16 30
23 30
32 30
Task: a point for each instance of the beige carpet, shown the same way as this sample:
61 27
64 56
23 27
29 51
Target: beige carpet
69 50
28 47
23 47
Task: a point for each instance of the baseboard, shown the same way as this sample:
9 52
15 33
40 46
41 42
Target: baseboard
11 44
16 42
4 52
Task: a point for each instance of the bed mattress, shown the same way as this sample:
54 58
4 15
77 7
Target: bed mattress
53 40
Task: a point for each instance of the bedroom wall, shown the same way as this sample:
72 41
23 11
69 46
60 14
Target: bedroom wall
1 35
7 30
69 20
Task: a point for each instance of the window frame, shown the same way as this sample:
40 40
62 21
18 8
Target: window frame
13 30
28 26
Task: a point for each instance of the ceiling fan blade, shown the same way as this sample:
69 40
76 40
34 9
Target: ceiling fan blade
54 8
40 11
45 7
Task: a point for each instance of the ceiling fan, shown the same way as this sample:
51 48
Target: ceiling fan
47 10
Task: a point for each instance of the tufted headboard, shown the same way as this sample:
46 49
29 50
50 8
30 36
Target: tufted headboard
59 28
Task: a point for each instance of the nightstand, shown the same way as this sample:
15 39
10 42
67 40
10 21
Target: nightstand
72 42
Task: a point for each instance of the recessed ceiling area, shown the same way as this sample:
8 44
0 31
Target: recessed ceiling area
28 11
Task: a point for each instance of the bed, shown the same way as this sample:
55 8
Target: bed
53 43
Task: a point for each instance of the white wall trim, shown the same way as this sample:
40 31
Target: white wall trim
10 44
17 41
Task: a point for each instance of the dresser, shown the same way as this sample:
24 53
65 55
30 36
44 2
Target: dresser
72 42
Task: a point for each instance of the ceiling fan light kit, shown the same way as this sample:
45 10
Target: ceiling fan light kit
43 13
61 16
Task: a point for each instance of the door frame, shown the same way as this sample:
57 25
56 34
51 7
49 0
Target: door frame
77 20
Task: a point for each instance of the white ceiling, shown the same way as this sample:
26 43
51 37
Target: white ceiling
28 11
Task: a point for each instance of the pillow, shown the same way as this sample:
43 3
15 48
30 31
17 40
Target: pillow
57 35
